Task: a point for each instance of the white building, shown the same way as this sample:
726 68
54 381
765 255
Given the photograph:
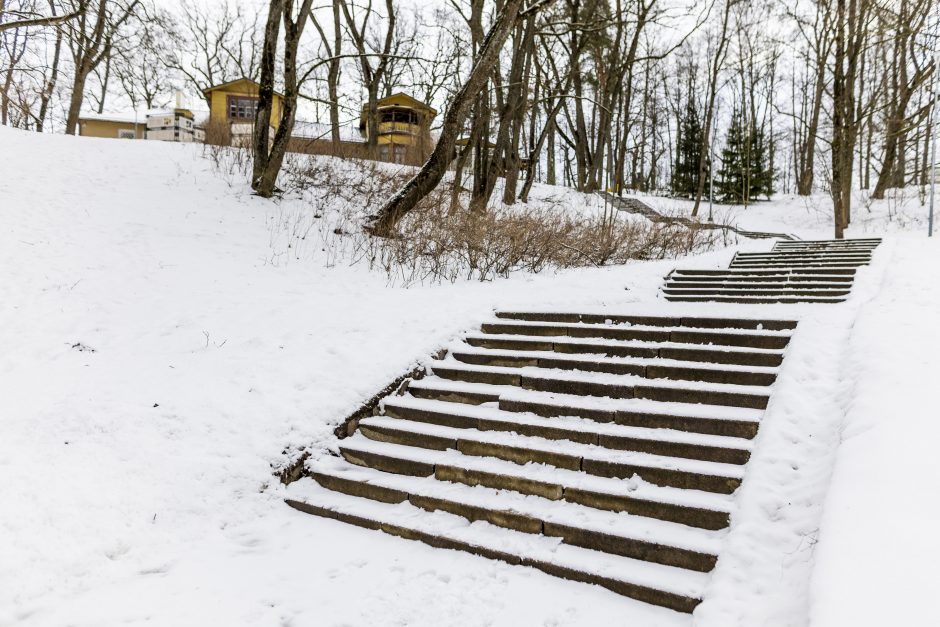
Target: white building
175 125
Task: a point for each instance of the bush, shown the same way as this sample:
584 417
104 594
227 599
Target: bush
329 199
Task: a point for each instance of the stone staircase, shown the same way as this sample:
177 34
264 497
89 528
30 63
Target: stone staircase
598 448
792 272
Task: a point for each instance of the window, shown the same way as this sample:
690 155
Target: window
242 107
126 134
398 115
383 152
399 153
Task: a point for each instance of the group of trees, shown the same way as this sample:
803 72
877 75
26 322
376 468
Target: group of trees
653 95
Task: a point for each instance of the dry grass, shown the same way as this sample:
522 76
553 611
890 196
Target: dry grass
440 243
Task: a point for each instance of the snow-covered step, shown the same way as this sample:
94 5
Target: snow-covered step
697 322
784 277
605 385
629 348
767 271
675 443
830 243
707 510
651 368
811 265
818 254
754 300
668 586
726 337
696 417
619 533
659 469
680 290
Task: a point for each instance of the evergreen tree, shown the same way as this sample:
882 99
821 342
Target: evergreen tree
688 148
744 174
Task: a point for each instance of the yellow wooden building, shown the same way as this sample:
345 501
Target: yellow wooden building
404 129
120 126
232 108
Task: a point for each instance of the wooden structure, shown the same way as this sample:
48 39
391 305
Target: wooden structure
232 108
116 126
404 129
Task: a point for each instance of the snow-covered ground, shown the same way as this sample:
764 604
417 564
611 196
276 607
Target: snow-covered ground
806 217
157 360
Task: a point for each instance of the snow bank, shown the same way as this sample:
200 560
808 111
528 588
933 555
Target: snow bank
876 561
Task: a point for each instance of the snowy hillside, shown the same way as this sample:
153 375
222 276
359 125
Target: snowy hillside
157 364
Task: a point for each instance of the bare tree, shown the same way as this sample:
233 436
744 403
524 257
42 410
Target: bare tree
90 37
268 156
26 15
431 173
215 46
372 71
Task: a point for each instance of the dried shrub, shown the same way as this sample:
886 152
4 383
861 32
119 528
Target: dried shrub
440 241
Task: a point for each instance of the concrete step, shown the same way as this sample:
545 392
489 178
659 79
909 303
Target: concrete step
651 368
860 241
667 586
766 271
613 348
724 337
698 418
802 260
755 300
612 386
705 510
796 279
621 534
658 469
759 285
745 264
671 290
673 321
584 431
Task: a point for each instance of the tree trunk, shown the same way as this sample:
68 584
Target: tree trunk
261 134
715 70
433 170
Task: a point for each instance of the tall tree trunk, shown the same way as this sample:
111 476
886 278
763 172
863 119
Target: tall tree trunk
262 133
715 69
433 170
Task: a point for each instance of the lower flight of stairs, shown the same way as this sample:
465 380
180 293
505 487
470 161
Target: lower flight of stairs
793 272
598 448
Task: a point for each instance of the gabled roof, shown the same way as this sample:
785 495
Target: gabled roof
237 80
414 102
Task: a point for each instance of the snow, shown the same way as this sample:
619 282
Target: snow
876 561
162 349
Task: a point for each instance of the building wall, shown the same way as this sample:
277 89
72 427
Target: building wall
218 108
108 128
409 155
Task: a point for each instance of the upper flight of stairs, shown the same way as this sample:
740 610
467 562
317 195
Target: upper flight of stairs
597 448
793 272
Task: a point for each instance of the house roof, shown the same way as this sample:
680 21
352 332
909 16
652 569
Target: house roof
130 117
237 80
124 117
414 103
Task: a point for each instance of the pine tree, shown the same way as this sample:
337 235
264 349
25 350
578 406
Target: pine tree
688 148
744 173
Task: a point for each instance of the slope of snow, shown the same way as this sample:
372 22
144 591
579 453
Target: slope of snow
157 362
876 561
